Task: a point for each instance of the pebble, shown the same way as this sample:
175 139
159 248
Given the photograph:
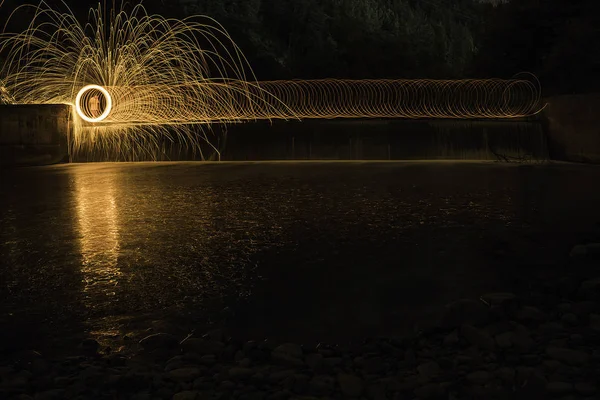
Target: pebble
578 251
185 374
530 314
557 388
89 347
568 356
202 347
321 385
159 341
429 391
504 340
350 385
585 389
517 359
236 373
376 392
289 354
477 337
429 370
499 299
595 322
464 311
570 319
505 374
451 339
314 360
478 377
187 395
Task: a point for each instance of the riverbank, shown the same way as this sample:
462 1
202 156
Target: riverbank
536 340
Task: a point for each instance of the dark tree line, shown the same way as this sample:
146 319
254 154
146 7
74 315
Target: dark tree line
558 40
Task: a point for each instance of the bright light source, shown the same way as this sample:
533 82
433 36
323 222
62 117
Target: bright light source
93 103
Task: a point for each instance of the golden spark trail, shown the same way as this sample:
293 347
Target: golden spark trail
135 78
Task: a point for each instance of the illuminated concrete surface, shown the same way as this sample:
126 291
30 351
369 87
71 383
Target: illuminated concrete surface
328 250
34 134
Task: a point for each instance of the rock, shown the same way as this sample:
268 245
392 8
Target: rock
595 322
216 335
185 374
478 377
429 391
590 289
464 311
506 375
410 357
39 366
202 347
530 314
237 373
558 388
279 395
585 389
187 395
314 360
504 340
20 379
551 365
593 249
289 354
174 363
530 359
278 376
374 365
142 396
89 347
429 370
551 327
350 385
568 356
451 339
570 319
531 387
321 385
159 341
499 299
578 251
376 392
300 385
227 385
53 394
584 308
208 359
477 337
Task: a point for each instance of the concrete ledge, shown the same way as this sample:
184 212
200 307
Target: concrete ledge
34 134
573 127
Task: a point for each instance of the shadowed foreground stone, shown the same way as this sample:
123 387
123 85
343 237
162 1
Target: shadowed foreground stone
512 356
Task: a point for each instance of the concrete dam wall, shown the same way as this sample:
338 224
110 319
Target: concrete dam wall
386 140
568 130
573 127
34 134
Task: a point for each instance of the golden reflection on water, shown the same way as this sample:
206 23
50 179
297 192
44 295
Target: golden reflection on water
98 221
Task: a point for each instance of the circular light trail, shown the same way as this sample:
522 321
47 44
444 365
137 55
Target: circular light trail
87 110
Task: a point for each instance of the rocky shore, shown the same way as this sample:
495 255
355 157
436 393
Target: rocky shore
543 342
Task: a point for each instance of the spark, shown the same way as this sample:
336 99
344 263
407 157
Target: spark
135 78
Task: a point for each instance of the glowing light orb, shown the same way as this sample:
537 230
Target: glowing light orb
93 103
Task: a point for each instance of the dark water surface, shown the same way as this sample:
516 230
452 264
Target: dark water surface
297 250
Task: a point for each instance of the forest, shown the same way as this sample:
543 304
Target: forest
557 40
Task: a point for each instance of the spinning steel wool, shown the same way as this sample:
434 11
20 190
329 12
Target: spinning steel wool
134 78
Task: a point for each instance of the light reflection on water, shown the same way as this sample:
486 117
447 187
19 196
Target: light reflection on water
98 223
88 244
